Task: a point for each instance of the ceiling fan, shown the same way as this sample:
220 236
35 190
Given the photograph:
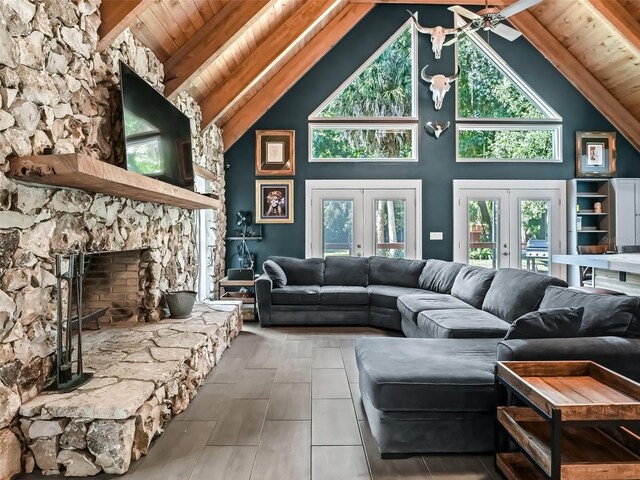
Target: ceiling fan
490 18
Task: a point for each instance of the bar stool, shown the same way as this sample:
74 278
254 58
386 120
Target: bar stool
587 274
627 248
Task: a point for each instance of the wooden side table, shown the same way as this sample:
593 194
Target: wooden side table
247 298
570 426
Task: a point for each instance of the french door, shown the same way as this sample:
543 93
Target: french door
363 218
515 224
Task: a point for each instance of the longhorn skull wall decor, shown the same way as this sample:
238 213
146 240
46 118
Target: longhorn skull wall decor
438 34
436 128
440 85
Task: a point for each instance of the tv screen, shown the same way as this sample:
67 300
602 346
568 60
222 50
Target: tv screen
157 134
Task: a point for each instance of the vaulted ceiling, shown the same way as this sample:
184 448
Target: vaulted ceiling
238 57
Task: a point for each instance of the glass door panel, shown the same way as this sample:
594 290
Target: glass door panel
390 228
534 232
483 233
337 228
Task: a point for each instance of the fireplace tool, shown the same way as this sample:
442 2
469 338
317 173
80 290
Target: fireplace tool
68 325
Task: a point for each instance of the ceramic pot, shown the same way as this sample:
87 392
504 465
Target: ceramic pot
181 303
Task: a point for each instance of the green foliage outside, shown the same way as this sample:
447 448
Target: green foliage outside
484 92
383 89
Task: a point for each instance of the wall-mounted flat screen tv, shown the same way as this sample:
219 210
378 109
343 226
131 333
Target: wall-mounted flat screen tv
157 134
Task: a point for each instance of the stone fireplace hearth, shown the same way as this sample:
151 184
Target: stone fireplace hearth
143 376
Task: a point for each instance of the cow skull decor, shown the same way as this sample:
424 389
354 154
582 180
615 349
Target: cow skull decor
436 128
440 85
438 34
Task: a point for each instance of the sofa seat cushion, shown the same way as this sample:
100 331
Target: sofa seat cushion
427 374
332 295
462 323
387 295
411 305
296 295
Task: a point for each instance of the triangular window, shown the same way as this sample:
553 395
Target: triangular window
489 89
383 87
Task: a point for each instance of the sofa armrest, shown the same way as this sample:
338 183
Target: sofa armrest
619 354
264 285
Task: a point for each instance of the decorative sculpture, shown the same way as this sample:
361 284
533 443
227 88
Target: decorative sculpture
436 128
438 34
440 85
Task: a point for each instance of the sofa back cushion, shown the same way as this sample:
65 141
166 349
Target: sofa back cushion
276 273
301 271
603 314
516 292
346 271
552 323
439 276
472 284
395 271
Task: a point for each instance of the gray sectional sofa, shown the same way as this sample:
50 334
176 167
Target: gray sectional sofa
434 391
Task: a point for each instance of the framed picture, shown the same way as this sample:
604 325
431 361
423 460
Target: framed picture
274 201
595 154
275 152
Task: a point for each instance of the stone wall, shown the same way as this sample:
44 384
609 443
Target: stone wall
57 94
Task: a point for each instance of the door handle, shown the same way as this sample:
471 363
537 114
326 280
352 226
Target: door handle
505 254
358 254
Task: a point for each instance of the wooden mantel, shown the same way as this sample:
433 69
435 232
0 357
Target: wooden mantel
84 172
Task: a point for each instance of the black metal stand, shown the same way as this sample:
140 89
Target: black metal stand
66 377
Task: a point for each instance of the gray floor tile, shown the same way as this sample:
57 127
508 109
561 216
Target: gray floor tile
339 463
294 370
334 422
209 404
224 463
488 462
284 452
326 358
176 453
254 383
242 346
350 365
298 349
412 468
446 467
357 401
267 354
227 370
241 424
290 401
329 383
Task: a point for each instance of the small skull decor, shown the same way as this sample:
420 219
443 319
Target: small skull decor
440 85
436 128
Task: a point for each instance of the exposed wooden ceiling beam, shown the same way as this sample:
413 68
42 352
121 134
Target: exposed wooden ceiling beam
210 41
117 16
620 20
290 73
270 51
578 75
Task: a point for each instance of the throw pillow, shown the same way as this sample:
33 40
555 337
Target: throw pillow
472 284
275 272
552 323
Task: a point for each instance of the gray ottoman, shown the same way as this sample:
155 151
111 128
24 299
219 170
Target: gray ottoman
428 395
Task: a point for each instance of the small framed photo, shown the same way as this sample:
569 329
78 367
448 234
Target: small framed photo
595 154
275 152
274 201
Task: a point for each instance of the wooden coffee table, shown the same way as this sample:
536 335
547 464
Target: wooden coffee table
572 424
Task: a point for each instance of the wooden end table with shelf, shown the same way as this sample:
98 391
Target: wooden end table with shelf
571 424
247 298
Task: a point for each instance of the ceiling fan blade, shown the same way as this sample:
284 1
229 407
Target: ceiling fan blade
506 32
518 7
464 12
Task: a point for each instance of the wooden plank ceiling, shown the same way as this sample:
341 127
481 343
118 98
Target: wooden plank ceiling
238 57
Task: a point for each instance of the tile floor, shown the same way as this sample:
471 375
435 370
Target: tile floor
284 404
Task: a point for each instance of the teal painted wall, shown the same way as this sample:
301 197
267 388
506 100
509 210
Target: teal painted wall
437 166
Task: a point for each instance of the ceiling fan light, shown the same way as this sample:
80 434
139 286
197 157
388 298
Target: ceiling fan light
487 25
